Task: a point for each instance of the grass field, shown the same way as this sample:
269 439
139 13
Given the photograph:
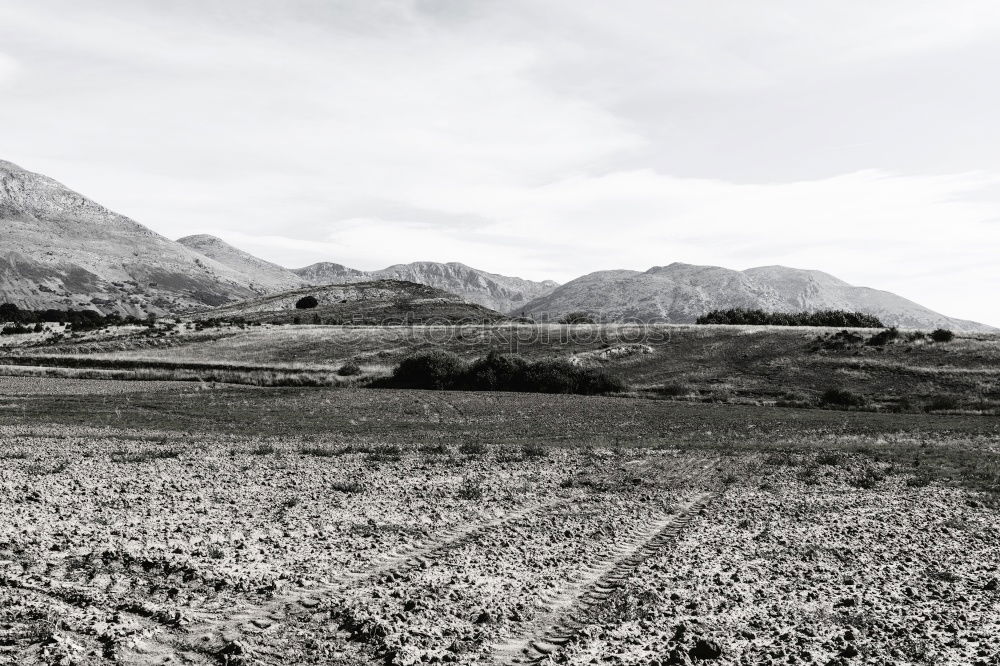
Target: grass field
792 366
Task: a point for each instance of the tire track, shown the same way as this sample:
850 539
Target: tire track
566 611
215 636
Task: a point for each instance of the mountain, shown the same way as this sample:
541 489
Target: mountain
326 272
60 250
680 293
266 277
371 302
497 292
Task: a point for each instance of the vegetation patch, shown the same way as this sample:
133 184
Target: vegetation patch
739 316
442 370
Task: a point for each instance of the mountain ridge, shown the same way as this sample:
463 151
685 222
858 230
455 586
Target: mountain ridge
679 293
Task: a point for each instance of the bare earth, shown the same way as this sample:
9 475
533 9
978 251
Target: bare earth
146 547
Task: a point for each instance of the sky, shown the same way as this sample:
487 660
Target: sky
540 138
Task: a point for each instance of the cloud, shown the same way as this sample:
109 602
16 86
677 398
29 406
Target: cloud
9 69
543 139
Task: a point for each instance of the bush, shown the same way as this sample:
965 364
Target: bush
577 318
942 403
842 398
430 370
306 303
349 369
501 372
739 316
883 338
942 335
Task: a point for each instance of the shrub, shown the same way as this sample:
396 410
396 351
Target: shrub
430 370
674 390
942 335
739 316
842 398
349 369
883 338
942 403
828 458
473 448
470 489
867 479
501 372
577 318
533 450
306 303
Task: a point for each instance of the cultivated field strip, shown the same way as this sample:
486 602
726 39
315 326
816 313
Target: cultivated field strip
222 632
567 610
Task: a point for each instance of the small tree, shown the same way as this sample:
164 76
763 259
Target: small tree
306 302
8 312
942 335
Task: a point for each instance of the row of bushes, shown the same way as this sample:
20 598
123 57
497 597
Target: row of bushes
738 316
442 370
79 320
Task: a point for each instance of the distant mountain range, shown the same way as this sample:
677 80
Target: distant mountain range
497 292
680 293
61 250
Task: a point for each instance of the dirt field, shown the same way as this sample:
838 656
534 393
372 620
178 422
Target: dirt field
336 526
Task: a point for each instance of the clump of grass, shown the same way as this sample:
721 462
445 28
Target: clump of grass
780 459
350 487
438 449
263 450
869 478
809 475
385 453
145 456
471 489
473 448
674 390
942 403
216 553
838 397
349 369
829 458
533 450
320 451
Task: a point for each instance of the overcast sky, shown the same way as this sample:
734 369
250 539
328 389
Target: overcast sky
539 138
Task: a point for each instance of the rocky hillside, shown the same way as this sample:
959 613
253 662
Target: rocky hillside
326 272
377 302
497 292
60 250
265 276
680 293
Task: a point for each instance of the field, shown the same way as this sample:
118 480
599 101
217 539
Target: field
159 522
790 366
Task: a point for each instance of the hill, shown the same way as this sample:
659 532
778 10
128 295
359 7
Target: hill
266 277
680 293
372 302
497 292
59 249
